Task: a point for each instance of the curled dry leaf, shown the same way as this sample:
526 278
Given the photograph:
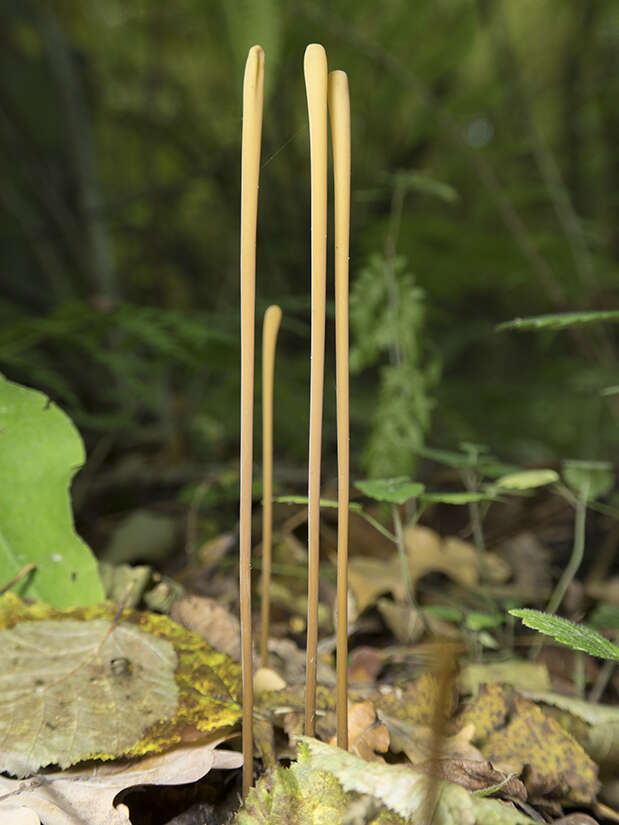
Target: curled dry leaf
366 736
67 797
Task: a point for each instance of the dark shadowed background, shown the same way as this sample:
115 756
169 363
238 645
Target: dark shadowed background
485 187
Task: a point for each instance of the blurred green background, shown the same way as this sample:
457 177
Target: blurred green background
485 187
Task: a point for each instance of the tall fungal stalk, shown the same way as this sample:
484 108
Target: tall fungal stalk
270 327
315 69
323 92
253 95
339 112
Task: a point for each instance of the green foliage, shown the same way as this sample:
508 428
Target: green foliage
590 479
387 319
40 451
111 367
324 502
471 457
255 21
394 490
575 636
527 480
560 320
294 796
456 498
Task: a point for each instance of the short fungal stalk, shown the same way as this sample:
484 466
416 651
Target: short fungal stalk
253 95
339 112
315 68
272 318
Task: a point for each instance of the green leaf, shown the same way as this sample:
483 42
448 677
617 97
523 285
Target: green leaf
40 452
419 798
324 502
456 498
605 617
484 464
575 636
446 612
591 479
294 796
483 621
527 479
394 490
427 185
560 320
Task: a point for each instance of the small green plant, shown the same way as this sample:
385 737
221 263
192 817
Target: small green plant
574 636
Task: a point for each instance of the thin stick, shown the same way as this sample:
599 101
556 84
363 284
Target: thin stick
270 327
253 86
28 568
339 111
315 68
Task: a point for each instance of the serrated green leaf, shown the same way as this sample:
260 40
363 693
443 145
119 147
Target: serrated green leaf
591 479
560 320
40 452
393 490
421 799
527 479
294 796
575 636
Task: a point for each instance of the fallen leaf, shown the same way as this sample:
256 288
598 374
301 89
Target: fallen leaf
421 799
70 689
517 673
267 679
555 763
211 621
144 535
598 731
294 796
205 684
486 712
416 704
365 664
366 736
289 660
405 622
67 797
370 578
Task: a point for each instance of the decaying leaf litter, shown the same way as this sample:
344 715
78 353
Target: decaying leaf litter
503 726
445 722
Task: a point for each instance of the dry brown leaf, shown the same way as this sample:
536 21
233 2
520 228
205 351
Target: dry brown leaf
65 797
370 578
365 664
405 622
209 619
475 775
366 736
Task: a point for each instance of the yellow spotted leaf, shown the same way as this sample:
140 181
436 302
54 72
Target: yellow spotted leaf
99 683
